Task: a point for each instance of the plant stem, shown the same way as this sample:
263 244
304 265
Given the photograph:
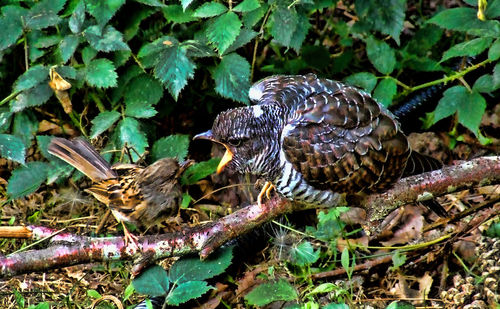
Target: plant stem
9 97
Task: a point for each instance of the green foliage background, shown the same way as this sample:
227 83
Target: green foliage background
120 57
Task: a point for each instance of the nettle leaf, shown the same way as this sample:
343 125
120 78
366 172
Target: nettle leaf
27 179
269 292
300 32
102 122
304 254
187 291
103 10
77 18
35 96
173 146
224 30
34 76
470 107
494 52
153 281
11 25
130 134
363 80
210 9
232 77
67 47
465 19
101 73
246 35
199 171
176 14
109 39
382 15
140 95
194 269
44 14
283 23
385 91
470 48
247 6
25 126
12 148
381 55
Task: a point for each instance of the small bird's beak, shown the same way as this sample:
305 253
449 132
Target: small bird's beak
205 135
228 156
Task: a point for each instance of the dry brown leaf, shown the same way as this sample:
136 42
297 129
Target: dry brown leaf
411 228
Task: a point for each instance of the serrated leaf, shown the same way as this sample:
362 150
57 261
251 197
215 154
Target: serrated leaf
5 119
44 14
154 3
283 23
101 73
194 269
465 19
385 91
12 148
197 49
486 83
329 225
88 53
363 80
35 96
173 146
300 32
251 18
469 48
245 36
304 254
149 53
386 16
44 41
123 80
176 14
153 281
224 30
103 10
232 77
77 18
494 52
469 106
26 179
186 291
109 39
174 69
381 55
247 6
35 75
140 95
186 3
199 171
210 9
102 122
130 134
25 126
67 47
11 25
268 292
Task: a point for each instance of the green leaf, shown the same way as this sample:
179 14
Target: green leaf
44 14
194 269
109 39
154 3
5 119
486 83
381 55
283 23
12 148
210 9
197 49
174 69
34 76
35 96
329 225
316 56
398 259
88 53
232 77
269 292
103 10
386 16
469 106
134 21
186 3
469 48
26 179
493 230
424 40
94 294
224 31
322 289
67 47
247 6
186 200
11 25
300 32
130 134
345 260
186 291
77 18
101 73
150 53
173 146
493 9
153 281
465 19
140 95
25 126
494 52
385 91
398 304
304 254
174 13
199 171
363 80
245 36
102 122
251 18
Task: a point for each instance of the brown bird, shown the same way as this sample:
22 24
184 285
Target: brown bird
142 195
313 138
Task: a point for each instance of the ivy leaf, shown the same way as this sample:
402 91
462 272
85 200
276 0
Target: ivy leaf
77 18
44 14
11 25
247 6
140 95
101 73
130 134
12 148
232 77
102 122
26 179
268 292
300 32
35 96
304 254
186 291
363 80
382 15
210 9
385 91
494 52
469 48
283 23
173 146
103 10
469 106
199 171
67 46
381 55
465 19
245 36
176 14
224 31
153 281
34 76
109 39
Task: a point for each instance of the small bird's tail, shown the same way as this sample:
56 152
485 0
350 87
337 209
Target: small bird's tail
82 156
419 163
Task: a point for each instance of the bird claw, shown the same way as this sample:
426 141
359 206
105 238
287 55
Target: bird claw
266 190
130 239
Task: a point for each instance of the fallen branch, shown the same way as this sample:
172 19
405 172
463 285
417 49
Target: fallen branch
67 249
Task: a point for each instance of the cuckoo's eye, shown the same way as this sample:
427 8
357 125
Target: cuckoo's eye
235 142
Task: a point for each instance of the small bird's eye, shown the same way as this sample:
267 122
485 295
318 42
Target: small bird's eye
234 142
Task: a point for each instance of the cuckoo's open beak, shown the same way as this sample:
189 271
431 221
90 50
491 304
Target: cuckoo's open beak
205 135
228 155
